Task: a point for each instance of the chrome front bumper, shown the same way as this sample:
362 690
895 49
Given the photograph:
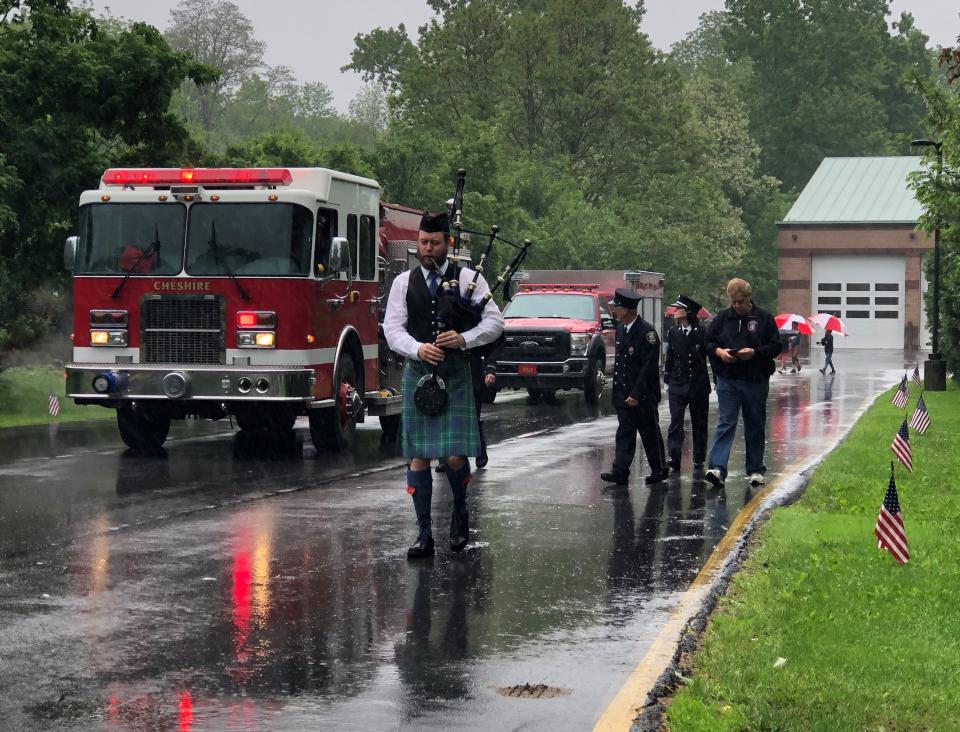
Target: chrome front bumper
195 382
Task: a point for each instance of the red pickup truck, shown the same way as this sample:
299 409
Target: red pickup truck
559 334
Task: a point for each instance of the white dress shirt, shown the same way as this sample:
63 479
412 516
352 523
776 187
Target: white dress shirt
395 319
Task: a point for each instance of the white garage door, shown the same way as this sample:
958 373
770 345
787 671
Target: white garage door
867 292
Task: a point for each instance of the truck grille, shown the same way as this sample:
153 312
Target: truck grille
181 329
535 345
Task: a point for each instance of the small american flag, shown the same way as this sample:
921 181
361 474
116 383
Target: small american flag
920 420
889 528
900 397
916 377
53 405
901 446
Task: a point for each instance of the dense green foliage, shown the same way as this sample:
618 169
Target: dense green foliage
939 190
821 630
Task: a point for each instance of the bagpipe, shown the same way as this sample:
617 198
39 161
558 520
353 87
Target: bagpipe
457 310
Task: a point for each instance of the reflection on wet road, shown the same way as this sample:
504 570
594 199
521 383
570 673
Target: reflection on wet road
241 582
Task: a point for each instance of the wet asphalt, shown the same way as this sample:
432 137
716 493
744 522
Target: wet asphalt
246 582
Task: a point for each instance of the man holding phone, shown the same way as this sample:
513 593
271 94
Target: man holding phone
742 342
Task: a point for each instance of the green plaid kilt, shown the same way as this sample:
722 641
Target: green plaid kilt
452 432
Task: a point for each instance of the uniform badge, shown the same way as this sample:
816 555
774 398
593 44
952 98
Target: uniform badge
651 336
752 326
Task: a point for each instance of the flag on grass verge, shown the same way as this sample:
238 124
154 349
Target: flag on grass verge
920 420
916 376
900 397
53 405
901 446
889 527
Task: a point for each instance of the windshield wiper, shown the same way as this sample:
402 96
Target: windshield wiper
152 248
223 263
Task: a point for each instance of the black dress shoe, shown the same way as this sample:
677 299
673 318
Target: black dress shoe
482 460
611 477
441 468
459 530
656 478
674 465
422 549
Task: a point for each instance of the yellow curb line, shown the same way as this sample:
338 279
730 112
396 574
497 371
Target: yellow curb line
628 703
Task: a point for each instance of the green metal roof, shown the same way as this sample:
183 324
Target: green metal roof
859 190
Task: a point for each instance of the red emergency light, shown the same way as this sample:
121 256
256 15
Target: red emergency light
197 176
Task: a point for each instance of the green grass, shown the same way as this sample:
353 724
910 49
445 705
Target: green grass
867 643
23 398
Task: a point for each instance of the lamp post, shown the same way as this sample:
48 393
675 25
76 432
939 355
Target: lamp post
935 369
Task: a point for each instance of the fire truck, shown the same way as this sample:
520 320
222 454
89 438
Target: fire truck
255 293
559 334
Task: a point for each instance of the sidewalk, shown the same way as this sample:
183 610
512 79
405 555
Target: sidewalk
821 630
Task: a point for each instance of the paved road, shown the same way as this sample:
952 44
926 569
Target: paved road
245 583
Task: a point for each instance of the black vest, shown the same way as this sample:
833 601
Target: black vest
422 316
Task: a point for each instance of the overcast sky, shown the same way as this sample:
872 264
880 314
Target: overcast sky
315 37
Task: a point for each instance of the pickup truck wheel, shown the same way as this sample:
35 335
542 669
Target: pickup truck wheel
142 431
594 380
390 424
335 429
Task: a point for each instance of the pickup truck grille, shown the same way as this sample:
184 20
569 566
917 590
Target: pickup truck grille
181 329
535 345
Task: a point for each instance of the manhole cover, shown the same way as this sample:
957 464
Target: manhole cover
532 691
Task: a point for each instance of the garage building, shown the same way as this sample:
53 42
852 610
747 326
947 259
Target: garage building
849 247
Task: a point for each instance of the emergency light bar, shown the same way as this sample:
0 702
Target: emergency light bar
197 176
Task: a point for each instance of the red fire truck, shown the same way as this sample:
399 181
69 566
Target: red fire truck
250 292
559 333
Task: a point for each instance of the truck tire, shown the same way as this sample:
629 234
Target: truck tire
547 396
390 424
258 418
334 429
142 431
594 380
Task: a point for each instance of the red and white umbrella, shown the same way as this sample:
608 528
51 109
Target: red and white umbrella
702 314
829 322
792 321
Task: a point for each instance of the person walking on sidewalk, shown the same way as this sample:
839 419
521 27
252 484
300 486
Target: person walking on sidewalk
688 382
742 342
636 391
414 329
827 343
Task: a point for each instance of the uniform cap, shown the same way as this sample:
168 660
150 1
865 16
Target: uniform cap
432 223
624 297
688 304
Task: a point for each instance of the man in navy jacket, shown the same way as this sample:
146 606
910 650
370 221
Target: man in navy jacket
636 391
742 342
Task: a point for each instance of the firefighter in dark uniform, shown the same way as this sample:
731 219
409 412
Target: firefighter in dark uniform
688 382
636 391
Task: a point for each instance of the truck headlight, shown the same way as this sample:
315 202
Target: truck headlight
579 343
108 337
256 339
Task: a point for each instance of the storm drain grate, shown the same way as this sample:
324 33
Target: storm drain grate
532 691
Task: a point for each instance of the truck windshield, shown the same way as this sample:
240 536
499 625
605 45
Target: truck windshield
114 236
249 239
580 307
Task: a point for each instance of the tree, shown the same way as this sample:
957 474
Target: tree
826 78
218 35
76 97
939 192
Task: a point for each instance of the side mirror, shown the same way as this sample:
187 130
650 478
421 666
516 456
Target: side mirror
70 253
340 256
605 322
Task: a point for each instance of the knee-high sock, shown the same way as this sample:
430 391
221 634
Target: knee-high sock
420 488
458 484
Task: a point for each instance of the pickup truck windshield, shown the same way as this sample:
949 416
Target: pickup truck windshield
249 239
579 307
114 236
